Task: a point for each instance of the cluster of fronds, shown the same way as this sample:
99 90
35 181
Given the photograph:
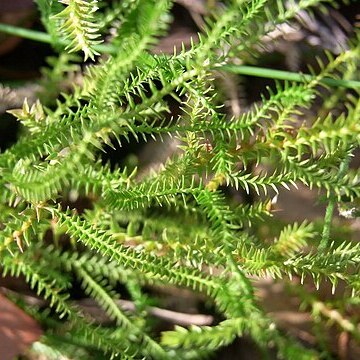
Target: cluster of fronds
193 236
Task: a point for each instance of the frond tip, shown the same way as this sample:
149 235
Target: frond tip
78 24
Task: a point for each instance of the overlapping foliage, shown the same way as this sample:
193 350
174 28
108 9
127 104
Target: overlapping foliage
193 236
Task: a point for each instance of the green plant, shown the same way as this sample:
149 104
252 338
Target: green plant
174 225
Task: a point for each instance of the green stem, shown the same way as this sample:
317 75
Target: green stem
25 33
286 75
46 38
327 224
236 69
325 239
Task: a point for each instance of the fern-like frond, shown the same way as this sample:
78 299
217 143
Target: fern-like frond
182 222
208 337
40 280
98 290
156 268
48 9
137 33
157 192
328 135
293 238
78 24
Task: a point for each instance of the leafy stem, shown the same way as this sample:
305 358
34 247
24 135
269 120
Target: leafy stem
344 166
